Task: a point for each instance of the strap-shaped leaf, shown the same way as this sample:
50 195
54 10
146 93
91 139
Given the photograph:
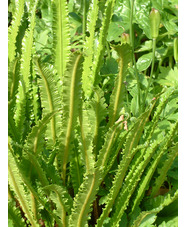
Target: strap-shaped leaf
22 112
71 101
35 97
37 167
35 140
62 200
97 112
146 179
50 99
91 182
14 28
163 99
127 155
61 35
12 129
163 171
15 182
131 181
15 214
109 7
76 166
13 79
87 140
84 198
89 46
91 71
110 139
27 45
117 96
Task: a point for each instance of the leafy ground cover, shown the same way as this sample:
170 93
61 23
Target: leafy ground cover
93 113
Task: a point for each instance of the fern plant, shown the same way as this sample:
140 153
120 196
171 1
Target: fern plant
76 157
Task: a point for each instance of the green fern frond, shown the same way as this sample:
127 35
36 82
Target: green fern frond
38 195
105 152
62 200
97 113
118 146
117 97
35 97
91 182
14 214
146 179
71 101
131 182
13 83
12 128
95 55
163 171
27 46
15 181
35 140
163 99
14 28
50 99
109 6
13 79
61 36
76 167
89 47
20 111
87 140
37 167
127 155
83 200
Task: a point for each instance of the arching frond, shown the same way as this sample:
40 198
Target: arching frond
71 101
50 99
